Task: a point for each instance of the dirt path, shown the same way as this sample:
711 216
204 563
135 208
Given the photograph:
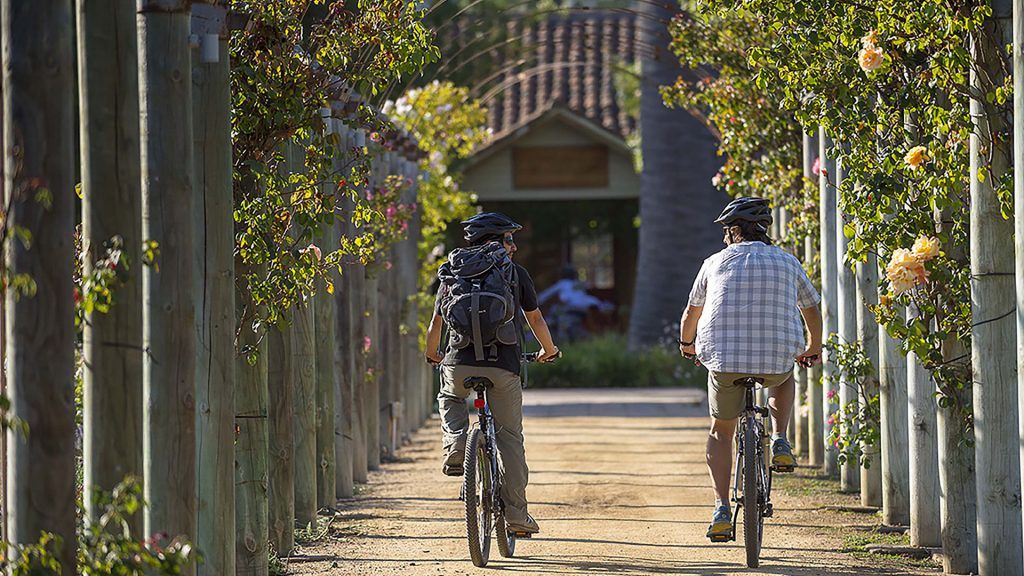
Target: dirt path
618 485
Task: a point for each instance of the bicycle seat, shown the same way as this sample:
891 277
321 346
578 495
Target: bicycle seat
477 383
748 382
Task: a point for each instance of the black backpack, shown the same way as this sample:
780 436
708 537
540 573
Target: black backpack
478 302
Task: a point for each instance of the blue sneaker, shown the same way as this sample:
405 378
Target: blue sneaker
782 456
721 525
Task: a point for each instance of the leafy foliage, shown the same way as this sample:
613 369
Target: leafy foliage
287 68
890 82
855 425
448 125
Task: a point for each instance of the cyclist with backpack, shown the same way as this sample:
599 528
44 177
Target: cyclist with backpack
743 320
483 298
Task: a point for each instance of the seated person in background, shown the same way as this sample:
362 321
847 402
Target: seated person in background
570 303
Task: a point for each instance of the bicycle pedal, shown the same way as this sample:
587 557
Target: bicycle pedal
720 537
768 511
783 469
521 534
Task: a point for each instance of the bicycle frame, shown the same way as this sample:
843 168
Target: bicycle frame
756 414
486 424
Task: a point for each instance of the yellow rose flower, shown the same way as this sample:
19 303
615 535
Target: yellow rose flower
901 279
902 258
870 40
870 58
916 157
925 248
885 300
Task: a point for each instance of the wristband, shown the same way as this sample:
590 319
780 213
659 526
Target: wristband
690 343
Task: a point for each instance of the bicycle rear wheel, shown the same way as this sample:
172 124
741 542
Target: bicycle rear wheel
753 522
476 481
506 539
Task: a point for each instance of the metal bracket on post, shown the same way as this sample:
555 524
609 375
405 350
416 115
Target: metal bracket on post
209 25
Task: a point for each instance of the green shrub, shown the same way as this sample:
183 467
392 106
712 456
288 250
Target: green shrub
604 361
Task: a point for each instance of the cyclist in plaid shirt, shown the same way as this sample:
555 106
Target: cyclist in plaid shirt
743 320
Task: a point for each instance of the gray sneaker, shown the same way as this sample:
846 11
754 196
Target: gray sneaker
452 463
528 527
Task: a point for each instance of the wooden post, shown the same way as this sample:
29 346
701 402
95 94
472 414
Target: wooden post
169 333
806 410
892 388
411 355
252 442
867 333
1018 199
108 80
993 353
303 353
925 523
325 319
344 344
38 83
829 300
372 382
281 468
302 364
211 108
845 388
957 477
361 386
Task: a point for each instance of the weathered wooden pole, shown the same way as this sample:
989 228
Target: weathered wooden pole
993 337
1018 199
343 343
829 300
846 323
957 476
373 346
169 332
38 84
925 522
411 354
390 402
325 318
251 425
215 278
358 299
812 449
892 389
281 452
867 334
303 364
108 79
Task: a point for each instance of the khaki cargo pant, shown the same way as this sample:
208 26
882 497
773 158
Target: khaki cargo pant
506 402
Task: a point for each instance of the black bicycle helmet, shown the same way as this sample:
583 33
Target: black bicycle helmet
747 208
487 224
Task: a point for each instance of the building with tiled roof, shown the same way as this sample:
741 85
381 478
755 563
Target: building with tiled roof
560 160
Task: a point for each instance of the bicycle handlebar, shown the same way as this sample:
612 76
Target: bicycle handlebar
533 356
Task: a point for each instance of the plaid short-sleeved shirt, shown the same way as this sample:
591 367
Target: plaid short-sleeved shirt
752 294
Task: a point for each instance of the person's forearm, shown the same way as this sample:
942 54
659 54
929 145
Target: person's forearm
812 317
688 324
540 329
434 335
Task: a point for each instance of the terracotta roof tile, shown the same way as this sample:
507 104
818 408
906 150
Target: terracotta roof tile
568 60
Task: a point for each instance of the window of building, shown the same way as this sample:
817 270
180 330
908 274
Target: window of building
592 255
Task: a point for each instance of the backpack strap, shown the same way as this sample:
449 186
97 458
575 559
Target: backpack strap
474 308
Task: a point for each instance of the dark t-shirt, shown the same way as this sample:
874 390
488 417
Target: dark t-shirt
509 357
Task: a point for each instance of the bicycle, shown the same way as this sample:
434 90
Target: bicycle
752 484
481 481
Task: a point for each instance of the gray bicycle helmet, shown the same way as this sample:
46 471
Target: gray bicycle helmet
747 208
487 224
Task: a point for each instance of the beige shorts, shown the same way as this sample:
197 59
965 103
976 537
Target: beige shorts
725 399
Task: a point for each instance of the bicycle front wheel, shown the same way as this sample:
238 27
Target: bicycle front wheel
752 519
476 483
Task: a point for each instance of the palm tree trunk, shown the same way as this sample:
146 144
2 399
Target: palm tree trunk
677 201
